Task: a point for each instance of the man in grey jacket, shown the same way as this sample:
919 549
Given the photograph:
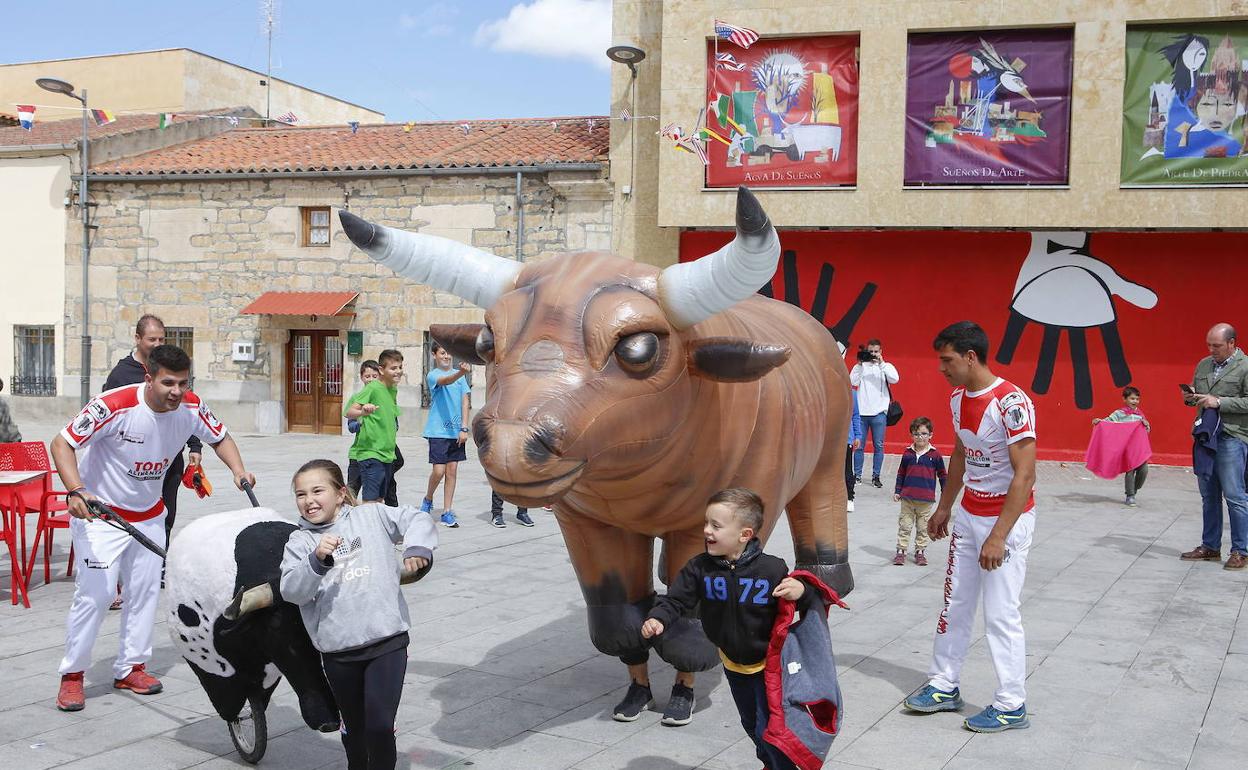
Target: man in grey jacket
1221 383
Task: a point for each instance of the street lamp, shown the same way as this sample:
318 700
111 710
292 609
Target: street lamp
57 86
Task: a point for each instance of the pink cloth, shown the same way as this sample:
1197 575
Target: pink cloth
1117 447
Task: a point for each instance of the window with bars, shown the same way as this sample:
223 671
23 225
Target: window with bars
34 361
315 225
183 337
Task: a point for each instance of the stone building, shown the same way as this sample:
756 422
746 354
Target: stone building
234 240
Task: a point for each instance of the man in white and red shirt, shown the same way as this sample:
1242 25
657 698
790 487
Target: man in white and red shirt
994 457
117 450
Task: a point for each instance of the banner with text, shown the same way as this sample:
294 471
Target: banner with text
1184 105
989 108
783 113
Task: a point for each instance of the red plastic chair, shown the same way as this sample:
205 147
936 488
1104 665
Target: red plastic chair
47 502
17 579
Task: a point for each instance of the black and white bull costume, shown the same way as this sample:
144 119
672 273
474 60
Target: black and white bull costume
210 562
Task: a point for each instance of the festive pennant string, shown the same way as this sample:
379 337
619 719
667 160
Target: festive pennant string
103 117
26 116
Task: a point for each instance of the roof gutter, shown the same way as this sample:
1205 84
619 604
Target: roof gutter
11 149
539 168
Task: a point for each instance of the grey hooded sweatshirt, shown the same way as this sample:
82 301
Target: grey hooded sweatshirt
352 599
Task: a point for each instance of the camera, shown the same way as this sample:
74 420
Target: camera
865 355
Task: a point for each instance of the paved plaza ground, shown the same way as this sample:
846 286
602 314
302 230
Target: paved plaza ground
1135 658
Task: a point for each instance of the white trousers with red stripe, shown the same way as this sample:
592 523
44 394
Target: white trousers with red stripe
104 555
965 583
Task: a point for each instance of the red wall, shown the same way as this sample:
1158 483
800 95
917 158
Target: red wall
903 287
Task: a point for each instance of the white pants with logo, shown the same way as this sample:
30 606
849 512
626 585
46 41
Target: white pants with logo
105 554
965 582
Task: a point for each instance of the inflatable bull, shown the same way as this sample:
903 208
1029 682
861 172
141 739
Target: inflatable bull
240 661
626 395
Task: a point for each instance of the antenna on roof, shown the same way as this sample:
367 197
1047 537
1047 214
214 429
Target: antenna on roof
268 13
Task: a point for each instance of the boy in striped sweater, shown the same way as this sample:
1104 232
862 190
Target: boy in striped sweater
921 467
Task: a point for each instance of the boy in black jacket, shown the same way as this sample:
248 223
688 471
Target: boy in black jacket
735 585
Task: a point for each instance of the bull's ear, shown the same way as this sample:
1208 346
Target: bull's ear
728 359
461 340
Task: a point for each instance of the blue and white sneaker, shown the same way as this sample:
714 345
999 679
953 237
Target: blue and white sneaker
448 519
426 506
993 720
930 699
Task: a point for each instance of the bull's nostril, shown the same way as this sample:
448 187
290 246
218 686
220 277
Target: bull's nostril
537 450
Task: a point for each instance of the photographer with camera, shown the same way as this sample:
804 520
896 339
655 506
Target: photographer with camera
871 378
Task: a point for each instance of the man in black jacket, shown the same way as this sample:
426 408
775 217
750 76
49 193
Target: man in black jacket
148 334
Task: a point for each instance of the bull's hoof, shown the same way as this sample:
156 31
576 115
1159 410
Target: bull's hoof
329 727
838 577
685 646
615 629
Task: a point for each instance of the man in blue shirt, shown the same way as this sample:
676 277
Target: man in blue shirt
446 429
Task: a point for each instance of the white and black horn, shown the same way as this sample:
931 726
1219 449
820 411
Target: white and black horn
469 273
691 292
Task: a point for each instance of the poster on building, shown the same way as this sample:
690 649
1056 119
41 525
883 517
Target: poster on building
1184 105
1072 317
782 113
989 108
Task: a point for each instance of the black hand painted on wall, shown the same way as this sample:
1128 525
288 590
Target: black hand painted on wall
1062 287
840 330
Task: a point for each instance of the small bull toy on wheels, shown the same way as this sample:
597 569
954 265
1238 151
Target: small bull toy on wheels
626 395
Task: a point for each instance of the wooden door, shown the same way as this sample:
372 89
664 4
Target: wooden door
314 382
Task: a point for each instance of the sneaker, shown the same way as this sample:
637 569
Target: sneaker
70 697
875 482
1201 553
919 558
139 682
426 506
679 709
448 519
899 558
858 478
523 518
849 506
1130 501
929 699
1236 561
993 720
635 701
496 520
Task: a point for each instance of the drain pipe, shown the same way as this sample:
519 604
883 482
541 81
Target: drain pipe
519 218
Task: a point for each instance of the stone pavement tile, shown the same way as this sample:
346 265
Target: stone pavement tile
1090 760
1171 665
108 731
1062 671
656 748
487 723
568 688
422 752
592 722
32 754
530 750
1150 724
161 753
1094 648
1234 668
36 718
931 740
303 749
461 689
1224 732
1059 719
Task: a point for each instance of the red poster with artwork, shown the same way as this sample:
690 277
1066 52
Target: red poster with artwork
1072 317
782 113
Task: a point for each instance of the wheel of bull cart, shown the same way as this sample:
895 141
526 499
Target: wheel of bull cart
250 732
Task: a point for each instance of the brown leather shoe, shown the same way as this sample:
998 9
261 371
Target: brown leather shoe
1236 561
1201 553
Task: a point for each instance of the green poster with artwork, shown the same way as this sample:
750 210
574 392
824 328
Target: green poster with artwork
1184 105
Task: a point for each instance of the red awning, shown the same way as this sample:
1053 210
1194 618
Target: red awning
302 303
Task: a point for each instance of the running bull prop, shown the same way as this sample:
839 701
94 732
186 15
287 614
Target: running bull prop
626 395
212 561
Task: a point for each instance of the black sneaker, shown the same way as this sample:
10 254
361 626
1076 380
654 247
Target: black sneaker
523 518
497 521
635 701
875 482
679 710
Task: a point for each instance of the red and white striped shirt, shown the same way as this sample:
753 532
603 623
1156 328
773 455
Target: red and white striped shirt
988 422
124 448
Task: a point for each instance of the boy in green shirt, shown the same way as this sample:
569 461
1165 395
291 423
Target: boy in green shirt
377 409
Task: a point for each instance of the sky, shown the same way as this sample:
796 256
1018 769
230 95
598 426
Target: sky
416 60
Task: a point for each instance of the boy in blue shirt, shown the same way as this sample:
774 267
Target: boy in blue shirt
446 429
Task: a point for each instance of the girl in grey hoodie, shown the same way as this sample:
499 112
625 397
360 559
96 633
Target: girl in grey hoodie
340 569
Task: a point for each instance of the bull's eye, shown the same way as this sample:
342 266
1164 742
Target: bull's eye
637 352
485 344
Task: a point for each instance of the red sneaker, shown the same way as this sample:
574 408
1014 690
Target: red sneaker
139 682
70 698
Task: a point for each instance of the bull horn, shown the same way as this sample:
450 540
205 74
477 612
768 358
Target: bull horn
691 292
249 600
469 273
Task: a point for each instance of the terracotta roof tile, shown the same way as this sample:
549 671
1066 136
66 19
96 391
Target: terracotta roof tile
493 143
70 130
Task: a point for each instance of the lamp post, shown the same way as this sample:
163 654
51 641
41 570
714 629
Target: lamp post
61 87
